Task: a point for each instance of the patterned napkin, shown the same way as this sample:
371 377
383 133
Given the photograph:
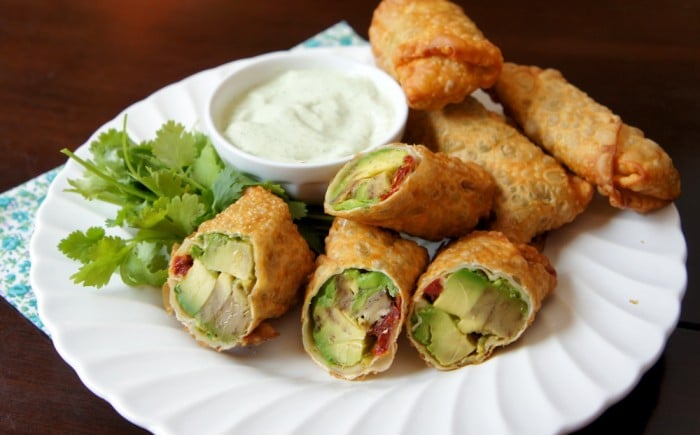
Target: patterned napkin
18 206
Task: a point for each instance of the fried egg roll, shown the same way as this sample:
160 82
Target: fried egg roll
357 299
411 189
480 293
534 194
631 170
246 265
433 50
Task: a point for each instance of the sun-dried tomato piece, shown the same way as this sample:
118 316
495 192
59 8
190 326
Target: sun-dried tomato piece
433 290
181 264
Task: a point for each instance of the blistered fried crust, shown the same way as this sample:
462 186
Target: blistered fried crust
434 50
282 259
534 194
354 245
491 251
632 170
443 197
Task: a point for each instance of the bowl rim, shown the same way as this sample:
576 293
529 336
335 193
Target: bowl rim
386 85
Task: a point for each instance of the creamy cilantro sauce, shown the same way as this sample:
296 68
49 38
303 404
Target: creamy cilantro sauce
309 115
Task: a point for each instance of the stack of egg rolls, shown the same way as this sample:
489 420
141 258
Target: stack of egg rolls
357 298
242 267
413 190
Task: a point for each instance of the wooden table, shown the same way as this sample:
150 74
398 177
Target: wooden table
67 67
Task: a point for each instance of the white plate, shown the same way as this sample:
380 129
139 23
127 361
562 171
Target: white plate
621 278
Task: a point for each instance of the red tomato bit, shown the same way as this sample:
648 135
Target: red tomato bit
406 168
181 264
433 290
384 328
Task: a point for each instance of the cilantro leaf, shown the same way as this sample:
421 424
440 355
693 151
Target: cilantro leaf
229 186
105 257
185 212
207 166
78 244
146 264
174 146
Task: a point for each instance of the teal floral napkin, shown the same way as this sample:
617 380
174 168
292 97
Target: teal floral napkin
18 206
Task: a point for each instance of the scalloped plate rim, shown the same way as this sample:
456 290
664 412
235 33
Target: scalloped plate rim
104 387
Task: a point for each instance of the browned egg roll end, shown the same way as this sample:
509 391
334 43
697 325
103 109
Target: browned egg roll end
434 50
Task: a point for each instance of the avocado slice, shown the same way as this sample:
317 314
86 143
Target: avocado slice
438 331
195 288
339 339
214 290
480 313
496 313
461 291
470 312
363 182
223 253
344 311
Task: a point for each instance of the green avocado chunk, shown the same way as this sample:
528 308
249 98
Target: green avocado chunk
223 253
344 311
340 340
195 288
462 289
472 307
214 289
363 182
438 331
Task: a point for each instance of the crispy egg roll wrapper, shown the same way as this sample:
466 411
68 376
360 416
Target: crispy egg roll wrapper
631 170
352 245
433 50
534 194
281 263
521 265
442 196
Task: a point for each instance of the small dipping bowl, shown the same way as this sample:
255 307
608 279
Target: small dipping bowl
306 181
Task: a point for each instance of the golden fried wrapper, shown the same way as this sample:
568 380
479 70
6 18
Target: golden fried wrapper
432 195
246 265
534 194
434 50
362 337
632 170
451 327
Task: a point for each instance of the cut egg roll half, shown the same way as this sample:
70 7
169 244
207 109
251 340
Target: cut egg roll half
480 293
246 265
409 188
357 299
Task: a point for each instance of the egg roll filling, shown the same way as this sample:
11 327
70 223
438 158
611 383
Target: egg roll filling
217 274
371 179
354 316
464 313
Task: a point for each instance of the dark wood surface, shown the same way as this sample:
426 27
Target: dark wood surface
68 66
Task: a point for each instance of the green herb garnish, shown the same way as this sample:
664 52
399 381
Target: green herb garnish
163 188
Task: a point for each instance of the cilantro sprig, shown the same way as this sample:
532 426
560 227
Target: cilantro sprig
163 189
